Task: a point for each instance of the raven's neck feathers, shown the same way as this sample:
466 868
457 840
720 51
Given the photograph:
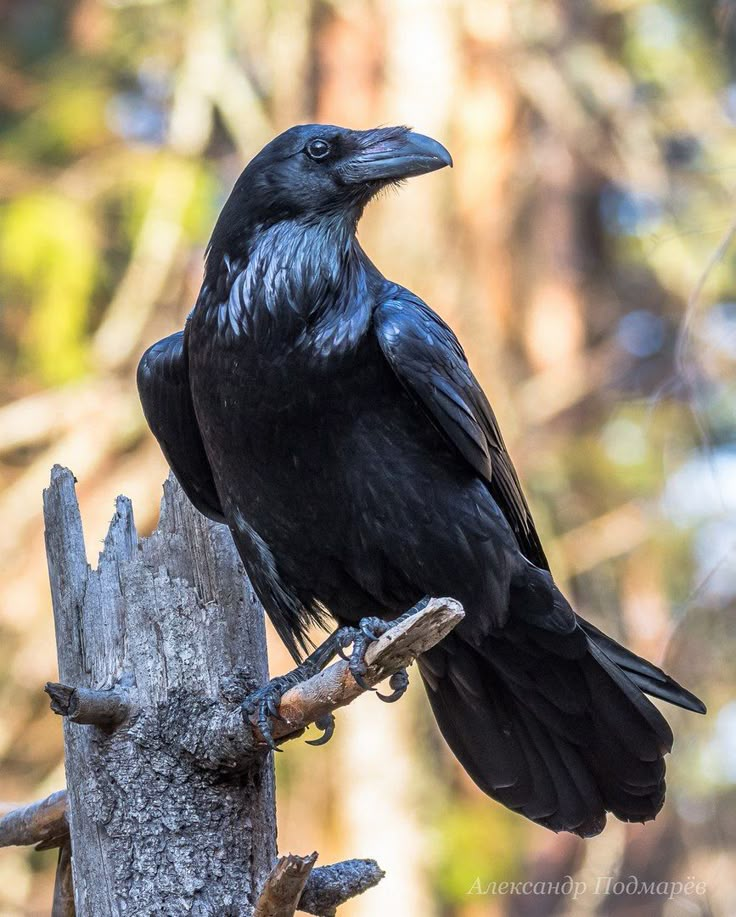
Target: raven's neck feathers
296 281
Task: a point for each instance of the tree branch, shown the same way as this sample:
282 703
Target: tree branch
43 823
283 887
106 707
214 731
63 903
330 886
325 888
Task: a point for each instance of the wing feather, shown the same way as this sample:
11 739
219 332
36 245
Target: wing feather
163 386
431 365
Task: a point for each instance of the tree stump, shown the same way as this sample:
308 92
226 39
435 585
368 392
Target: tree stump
146 641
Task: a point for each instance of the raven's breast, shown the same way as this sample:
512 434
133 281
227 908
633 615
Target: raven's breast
363 504
283 430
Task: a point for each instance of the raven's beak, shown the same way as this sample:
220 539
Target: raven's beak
397 157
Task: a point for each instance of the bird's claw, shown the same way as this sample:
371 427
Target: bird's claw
273 706
264 705
398 683
327 725
345 636
368 631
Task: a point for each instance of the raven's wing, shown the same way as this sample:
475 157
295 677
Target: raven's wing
163 386
431 365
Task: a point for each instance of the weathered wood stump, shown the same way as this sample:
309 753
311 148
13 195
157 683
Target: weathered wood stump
162 627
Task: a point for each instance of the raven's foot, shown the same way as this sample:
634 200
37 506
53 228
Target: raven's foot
368 631
264 703
398 683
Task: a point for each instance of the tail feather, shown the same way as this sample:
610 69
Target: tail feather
627 713
487 745
575 797
647 676
555 725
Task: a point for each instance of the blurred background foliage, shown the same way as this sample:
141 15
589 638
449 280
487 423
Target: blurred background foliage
583 249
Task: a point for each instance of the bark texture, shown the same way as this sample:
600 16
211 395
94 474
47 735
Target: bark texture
167 624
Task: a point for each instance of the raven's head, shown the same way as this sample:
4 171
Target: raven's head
315 171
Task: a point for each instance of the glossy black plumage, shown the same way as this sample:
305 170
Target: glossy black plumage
163 381
330 417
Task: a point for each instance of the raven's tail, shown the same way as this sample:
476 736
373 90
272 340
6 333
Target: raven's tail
556 726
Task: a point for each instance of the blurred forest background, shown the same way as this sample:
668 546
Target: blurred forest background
583 249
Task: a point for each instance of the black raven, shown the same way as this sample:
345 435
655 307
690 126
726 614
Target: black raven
330 418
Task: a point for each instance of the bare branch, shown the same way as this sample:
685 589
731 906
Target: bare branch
63 904
43 823
106 708
330 886
36 419
283 887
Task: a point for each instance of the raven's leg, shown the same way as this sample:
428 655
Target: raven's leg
265 701
369 630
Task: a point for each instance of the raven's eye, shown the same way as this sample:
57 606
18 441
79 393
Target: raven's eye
318 149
